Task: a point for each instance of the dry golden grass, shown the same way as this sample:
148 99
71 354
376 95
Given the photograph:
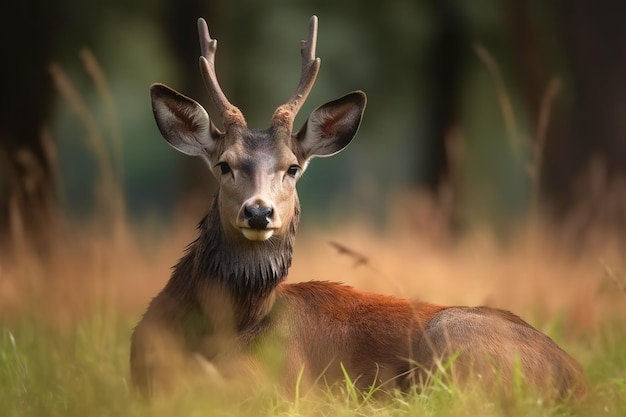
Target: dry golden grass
531 274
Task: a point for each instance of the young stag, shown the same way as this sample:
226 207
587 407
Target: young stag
226 296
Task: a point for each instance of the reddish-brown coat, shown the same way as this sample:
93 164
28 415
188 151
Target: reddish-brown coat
373 336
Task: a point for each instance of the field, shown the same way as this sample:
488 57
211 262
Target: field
66 318
68 307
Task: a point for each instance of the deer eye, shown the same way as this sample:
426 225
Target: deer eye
224 168
293 170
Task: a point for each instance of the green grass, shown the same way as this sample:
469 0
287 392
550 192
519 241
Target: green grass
81 369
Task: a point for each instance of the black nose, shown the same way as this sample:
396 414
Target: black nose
258 216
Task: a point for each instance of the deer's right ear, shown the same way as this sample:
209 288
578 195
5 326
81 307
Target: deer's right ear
182 121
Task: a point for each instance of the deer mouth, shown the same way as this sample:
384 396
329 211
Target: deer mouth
257 234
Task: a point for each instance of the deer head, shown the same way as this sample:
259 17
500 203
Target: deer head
257 170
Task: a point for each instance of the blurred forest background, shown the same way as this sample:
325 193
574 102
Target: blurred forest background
489 111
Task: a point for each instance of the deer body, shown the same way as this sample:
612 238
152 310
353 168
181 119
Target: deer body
227 294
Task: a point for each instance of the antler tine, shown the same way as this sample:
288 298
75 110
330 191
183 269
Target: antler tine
285 114
229 113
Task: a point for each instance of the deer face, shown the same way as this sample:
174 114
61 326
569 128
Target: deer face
257 170
257 175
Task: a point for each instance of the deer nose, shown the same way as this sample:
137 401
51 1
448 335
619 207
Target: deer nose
258 216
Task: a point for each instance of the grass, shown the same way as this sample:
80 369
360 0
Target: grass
64 343
82 370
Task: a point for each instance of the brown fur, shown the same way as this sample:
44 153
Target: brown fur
490 346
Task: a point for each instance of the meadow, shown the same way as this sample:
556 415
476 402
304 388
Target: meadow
67 312
66 318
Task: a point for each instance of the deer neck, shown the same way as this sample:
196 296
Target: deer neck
235 274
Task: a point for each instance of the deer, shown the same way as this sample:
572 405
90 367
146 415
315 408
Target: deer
228 293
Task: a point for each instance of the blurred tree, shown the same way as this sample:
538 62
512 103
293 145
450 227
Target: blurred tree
446 66
179 25
594 38
446 63
28 29
589 127
537 75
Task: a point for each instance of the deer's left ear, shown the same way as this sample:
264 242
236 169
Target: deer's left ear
331 127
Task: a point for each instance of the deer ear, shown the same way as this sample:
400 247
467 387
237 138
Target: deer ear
182 121
331 127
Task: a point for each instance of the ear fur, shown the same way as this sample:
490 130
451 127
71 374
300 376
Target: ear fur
182 121
331 127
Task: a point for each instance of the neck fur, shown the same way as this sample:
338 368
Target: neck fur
246 272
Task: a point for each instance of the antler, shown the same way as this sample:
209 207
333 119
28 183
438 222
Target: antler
286 113
229 113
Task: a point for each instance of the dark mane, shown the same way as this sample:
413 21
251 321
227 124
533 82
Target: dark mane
243 271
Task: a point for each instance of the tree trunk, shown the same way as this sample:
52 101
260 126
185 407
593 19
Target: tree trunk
29 196
180 26
594 38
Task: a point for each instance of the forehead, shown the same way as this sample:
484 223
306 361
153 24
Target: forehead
258 147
